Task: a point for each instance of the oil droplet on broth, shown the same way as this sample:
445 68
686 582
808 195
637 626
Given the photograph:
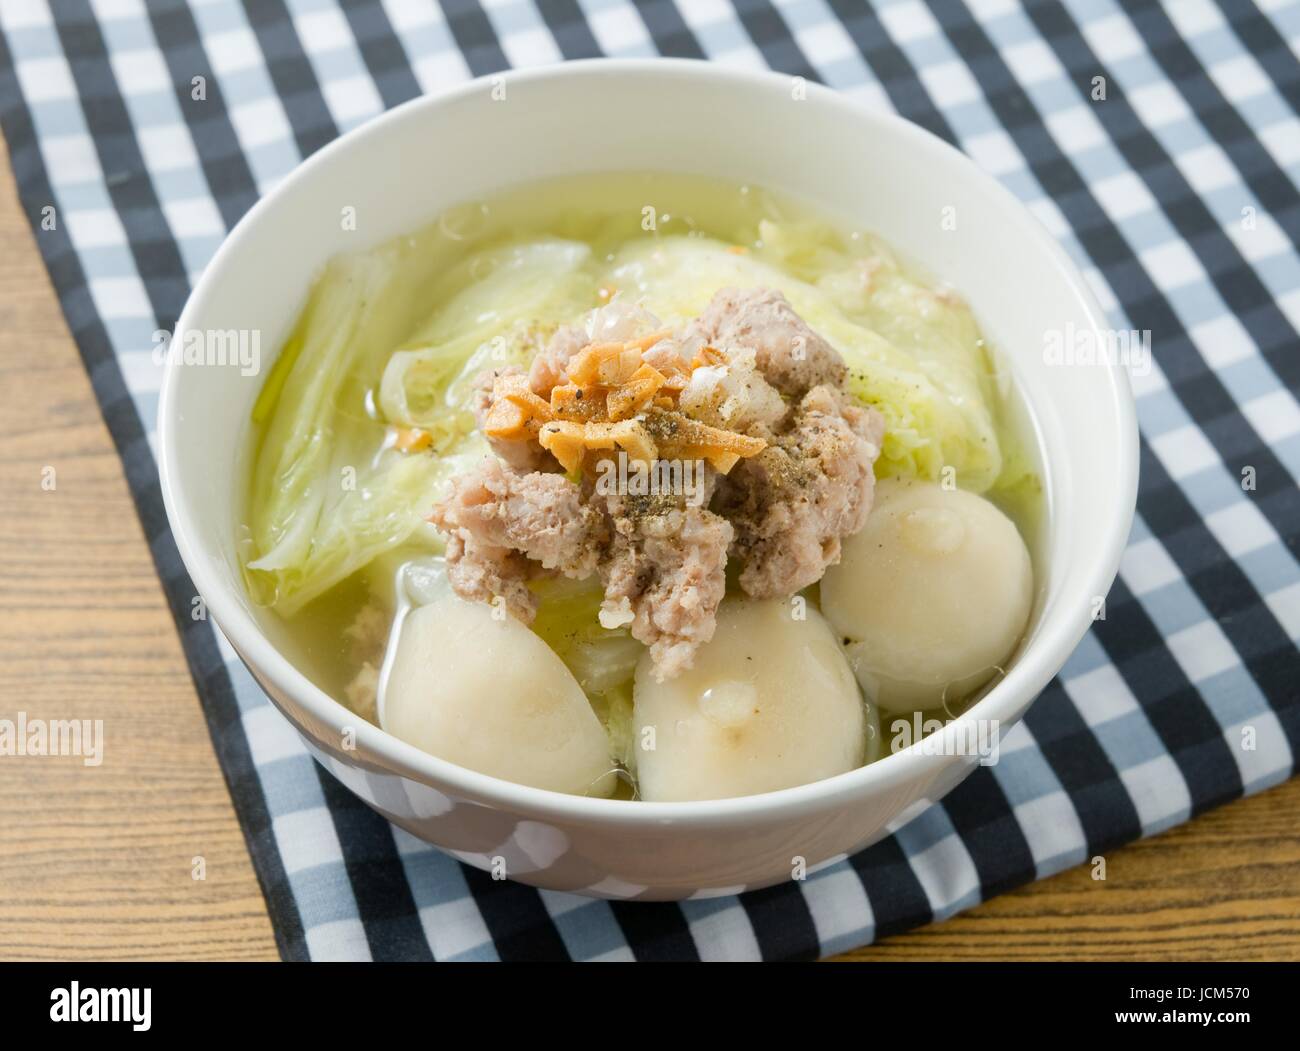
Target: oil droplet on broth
464 221
480 267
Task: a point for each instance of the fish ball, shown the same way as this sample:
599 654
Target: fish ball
931 597
489 695
770 703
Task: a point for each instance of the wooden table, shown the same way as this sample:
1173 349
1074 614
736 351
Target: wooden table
97 862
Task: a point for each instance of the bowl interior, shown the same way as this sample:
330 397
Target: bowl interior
887 176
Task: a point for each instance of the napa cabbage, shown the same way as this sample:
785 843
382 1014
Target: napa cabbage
913 353
506 300
328 491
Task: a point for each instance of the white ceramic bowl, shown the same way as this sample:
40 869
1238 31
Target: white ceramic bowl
882 172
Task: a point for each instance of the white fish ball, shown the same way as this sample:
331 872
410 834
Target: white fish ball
770 703
489 695
931 597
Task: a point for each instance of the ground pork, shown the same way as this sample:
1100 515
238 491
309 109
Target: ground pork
362 693
499 521
661 560
791 356
662 557
795 502
547 369
367 637
481 572
665 574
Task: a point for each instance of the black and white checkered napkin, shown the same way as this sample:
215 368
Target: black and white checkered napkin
1177 195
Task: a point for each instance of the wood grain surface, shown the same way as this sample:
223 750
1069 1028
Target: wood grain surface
97 862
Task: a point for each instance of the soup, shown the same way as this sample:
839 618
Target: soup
642 485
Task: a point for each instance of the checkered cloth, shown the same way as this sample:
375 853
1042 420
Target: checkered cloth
1177 196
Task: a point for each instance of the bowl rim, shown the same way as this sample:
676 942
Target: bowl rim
1033 669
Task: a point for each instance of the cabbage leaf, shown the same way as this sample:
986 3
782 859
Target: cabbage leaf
328 492
914 353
